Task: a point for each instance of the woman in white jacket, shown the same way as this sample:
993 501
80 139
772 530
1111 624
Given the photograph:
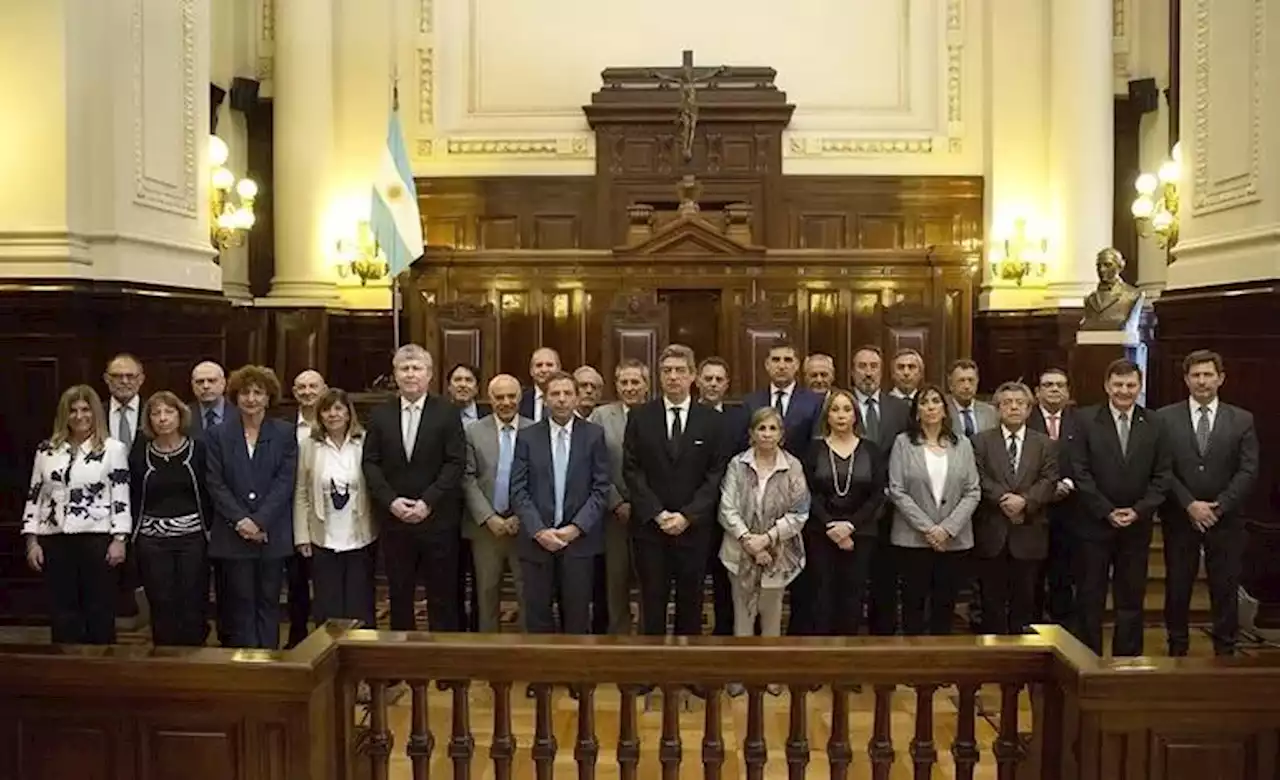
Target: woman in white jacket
332 521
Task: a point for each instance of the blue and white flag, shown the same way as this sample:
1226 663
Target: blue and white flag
394 216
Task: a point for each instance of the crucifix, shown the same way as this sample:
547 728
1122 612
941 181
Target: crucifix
687 80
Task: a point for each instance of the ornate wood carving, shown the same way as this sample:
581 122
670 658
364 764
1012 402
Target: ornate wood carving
635 327
462 332
757 327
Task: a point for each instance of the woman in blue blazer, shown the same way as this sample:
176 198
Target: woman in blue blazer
251 461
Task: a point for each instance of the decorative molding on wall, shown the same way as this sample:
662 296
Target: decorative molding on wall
426 86
571 148
1124 32
178 196
267 19
426 17
1210 193
811 146
264 22
424 148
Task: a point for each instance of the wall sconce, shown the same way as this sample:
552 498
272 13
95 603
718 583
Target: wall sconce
230 217
1019 256
360 256
1156 207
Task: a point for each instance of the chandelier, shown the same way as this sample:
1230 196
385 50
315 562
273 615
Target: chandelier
359 255
1156 207
230 201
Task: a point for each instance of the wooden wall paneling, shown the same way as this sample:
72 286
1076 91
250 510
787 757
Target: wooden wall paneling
361 345
865 317
245 337
821 231
1020 345
517 212
597 298
636 327
561 312
694 318
463 332
881 231
825 321
519 330
301 342
759 325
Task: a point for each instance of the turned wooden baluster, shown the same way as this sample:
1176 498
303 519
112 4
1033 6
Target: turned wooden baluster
923 752
421 742
669 747
462 746
544 738
503 749
587 748
754 750
1007 746
797 749
628 734
965 749
839 751
880 746
712 738
380 738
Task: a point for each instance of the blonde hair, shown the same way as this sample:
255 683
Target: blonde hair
165 398
824 419
331 398
61 420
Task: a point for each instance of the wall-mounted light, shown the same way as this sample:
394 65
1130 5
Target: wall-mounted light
1019 255
359 255
230 215
1156 207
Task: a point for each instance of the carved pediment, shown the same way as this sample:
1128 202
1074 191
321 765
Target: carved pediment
689 235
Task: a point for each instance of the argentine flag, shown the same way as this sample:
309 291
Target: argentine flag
394 217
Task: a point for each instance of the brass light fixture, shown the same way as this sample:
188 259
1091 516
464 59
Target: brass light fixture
360 256
230 201
1019 256
1156 207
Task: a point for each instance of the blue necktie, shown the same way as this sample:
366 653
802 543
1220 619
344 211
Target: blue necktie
560 462
968 422
502 480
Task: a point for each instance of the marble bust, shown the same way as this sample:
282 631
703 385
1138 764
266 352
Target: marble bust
1110 305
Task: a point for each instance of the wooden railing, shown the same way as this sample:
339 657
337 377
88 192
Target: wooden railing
304 714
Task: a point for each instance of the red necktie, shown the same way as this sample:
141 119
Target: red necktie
1053 427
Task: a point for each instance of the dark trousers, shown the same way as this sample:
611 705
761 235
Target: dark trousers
801 595
298 570
82 588
252 588
557 577
468 592
1007 592
721 595
1223 548
221 618
1120 561
175 577
412 556
930 583
599 596
882 610
1055 592
841 583
344 583
662 565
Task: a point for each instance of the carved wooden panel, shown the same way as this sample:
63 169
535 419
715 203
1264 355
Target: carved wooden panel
636 328
464 333
562 325
760 325
301 342
871 212
521 212
519 331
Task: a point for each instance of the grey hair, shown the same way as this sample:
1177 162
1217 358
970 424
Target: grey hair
411 352
1013 387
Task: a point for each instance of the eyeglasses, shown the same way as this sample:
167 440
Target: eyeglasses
123 377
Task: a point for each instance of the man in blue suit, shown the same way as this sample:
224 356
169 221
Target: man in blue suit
559 490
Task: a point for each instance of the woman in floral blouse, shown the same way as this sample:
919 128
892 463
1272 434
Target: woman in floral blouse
76 520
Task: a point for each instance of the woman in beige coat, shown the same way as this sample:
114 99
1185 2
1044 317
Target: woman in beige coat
332 521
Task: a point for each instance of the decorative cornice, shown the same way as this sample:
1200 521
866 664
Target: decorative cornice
426 86
176 197
570 148
800 146
1210 193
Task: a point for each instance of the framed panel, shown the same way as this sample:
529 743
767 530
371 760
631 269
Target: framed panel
636 326
759 326
562 326
556 231
881 231
465 333
499 232
821 231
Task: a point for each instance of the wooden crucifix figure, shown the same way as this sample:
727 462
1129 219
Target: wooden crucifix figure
687 79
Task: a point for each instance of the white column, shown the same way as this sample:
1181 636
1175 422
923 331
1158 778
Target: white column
1229 210
230 29
303 151
1081 141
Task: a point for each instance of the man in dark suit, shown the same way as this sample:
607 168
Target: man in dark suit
883 416
799 408
1215 465
559 490
208 388
415 455
673 462
544 362
713 388
1122 470
1054 416
1019 469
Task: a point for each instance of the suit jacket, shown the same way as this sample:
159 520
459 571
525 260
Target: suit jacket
1225 473
688 483
197 427
483 449
1107 479
894 415
1035 480
586 490
798 422
433 473
985 416
915 508
612 418
257 486
527 403
1068 432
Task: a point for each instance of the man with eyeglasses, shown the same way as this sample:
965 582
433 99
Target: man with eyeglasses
1055 416
124 377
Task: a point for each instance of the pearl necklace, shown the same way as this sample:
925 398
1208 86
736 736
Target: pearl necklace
835 473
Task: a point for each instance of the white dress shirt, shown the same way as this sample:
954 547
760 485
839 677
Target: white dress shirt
1020 436
302 427
410 419
1195 405
556 428
787 393
131 413
339 475
862 399
683 406
470 413
538 407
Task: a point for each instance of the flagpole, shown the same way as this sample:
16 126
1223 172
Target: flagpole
395 107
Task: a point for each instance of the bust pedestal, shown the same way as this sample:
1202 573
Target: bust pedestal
1094 350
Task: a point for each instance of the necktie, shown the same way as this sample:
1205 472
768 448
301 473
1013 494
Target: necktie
125 434
502 478
210 418
1124 433
1013 453
410 429
1202 430
1053 426
676 431
871 425
560 462
777 402
967 416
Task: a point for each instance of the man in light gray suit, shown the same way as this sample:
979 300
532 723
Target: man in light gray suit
969 416
613 590
491 524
